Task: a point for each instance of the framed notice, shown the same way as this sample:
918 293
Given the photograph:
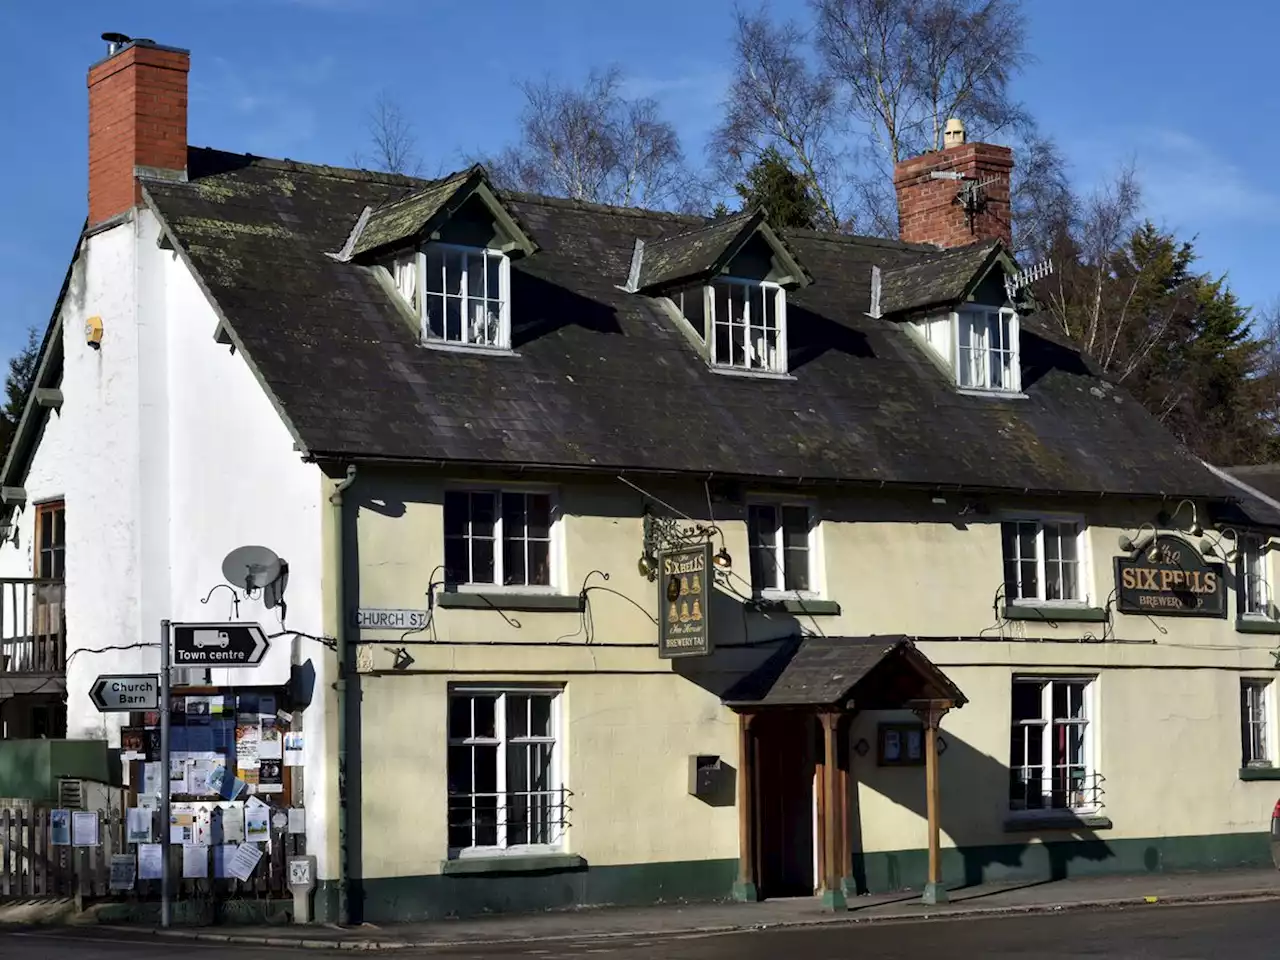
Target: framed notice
900 745
685 581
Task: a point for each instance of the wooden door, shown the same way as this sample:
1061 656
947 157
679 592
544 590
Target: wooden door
785 770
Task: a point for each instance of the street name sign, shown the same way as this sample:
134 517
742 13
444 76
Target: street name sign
120 693
218 644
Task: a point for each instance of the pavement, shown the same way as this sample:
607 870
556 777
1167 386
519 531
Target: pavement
1240 930
605 924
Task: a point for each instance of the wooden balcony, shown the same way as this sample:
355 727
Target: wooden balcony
33 640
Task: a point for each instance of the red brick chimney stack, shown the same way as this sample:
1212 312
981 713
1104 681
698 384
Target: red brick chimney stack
929 210
137 121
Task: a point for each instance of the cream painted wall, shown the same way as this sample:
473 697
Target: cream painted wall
896 564
626 742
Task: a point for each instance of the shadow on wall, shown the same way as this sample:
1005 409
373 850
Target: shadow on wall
974 811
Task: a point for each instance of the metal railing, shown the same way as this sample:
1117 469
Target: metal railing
515 818
1062 789
33 636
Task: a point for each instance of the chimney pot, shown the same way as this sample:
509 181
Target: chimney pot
953 135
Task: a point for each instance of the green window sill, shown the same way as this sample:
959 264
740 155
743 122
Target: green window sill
1065 821
532 863
814 608
500 600
1052 614
1260 773
1257 625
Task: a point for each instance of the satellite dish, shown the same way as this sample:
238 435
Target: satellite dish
251 568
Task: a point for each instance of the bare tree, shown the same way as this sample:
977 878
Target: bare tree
593 143
777 99
393 145
1121 290
871 83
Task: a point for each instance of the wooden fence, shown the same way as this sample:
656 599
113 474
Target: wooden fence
32 866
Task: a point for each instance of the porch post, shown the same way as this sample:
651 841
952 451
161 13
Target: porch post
833 817
931 716
746 888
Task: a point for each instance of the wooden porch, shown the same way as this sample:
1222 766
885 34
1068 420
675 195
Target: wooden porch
794 716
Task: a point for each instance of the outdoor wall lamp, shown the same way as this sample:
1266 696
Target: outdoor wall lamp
1166 519
1210 548
722 558
1135 544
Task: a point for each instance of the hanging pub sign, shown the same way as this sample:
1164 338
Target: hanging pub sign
1170 578
685 579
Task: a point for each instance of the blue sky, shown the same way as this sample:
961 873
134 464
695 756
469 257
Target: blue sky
1178 91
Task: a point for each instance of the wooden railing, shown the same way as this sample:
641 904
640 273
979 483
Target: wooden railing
32 626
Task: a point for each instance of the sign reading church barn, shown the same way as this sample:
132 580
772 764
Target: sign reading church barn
685 579
1169 577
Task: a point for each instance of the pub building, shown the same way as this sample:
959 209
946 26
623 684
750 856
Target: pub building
777 563
645 557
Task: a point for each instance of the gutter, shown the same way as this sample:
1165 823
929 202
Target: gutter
340 689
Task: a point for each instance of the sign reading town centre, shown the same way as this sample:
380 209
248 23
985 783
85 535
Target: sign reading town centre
1170 578
218 644
120 693
685 579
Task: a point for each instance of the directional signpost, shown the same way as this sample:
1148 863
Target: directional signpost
195 645
218 644
120 693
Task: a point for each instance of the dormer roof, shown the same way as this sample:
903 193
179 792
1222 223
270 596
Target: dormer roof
941 280
415 215
695 255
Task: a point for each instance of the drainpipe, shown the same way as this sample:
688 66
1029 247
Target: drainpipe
340 688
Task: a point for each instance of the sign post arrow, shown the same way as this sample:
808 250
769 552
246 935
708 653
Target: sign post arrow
120 693
218 644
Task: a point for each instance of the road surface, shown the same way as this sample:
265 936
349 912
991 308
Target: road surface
1241 931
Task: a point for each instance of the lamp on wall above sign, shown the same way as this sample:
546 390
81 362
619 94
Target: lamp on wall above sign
1136 544
1166 519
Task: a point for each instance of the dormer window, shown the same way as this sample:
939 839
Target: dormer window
987 349
747 319
460 295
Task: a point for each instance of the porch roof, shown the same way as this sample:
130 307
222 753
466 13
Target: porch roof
873 673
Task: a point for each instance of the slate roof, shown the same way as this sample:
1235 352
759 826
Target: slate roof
407 216
602 379
878 672
943 278
691 253
1258 487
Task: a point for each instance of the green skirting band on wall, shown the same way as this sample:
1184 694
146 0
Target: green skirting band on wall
1058 860
390 899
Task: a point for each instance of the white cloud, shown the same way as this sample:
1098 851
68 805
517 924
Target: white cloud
1185 181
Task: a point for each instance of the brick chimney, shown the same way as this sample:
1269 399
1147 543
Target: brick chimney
137 121
932 209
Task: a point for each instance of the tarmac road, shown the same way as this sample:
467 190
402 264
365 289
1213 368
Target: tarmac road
1241 931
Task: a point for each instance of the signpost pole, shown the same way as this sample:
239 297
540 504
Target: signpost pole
165 705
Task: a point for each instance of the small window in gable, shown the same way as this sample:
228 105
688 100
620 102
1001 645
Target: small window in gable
460 295
987 349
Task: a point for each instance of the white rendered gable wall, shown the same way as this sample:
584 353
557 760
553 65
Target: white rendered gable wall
169 454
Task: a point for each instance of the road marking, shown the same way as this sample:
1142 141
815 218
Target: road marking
108 941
